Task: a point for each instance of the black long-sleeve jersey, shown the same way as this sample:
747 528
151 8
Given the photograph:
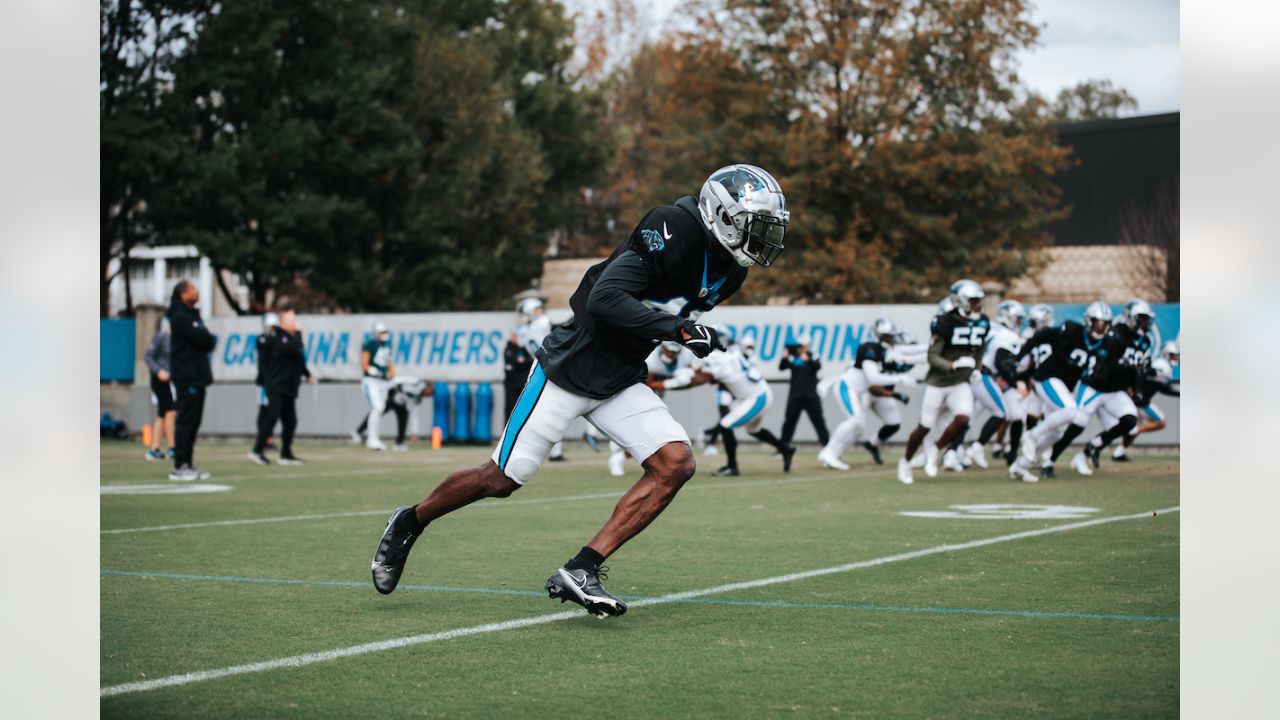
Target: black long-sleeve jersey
669 270
288 363
870 351
1122 355
1064 352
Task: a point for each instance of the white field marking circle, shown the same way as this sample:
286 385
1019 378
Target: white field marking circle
381 645
171 489
1006 512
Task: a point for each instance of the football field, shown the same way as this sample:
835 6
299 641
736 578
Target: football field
808 594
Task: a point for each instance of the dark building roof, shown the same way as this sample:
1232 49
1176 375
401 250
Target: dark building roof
1119 161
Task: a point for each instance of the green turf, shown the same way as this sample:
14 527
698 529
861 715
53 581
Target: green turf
1081 623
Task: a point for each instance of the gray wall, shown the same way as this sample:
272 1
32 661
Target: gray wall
338 407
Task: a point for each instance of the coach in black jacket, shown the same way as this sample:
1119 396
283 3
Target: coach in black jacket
803 393
286 366
190 345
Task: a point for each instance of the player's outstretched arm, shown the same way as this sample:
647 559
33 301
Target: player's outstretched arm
614 301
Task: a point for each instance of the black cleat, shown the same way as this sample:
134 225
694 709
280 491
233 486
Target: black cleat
788 452
875 452
1122 458
1046 472
727 471
998 453
583 587
1094 454
393 551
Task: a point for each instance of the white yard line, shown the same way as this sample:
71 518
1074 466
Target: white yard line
312 658
483 504
286 474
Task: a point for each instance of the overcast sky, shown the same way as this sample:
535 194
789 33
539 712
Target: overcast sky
1133 43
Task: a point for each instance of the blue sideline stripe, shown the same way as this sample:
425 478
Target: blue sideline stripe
991 388
1048 390
755 410
633 598
520 415
844 397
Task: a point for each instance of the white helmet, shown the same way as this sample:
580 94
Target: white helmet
1010 314
1040 316
526 309
270 320
744 208
1097 312
1135 309
748 345
967 296
1171 352
905 337
379 328
882 327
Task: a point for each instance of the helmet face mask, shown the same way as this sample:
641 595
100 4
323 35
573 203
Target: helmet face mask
1138 314
1097 318
967 297
744 208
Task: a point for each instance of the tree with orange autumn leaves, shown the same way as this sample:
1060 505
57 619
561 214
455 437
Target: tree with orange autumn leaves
909 151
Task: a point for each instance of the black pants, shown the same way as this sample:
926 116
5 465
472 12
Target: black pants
812 406
285 409
187 424
402 421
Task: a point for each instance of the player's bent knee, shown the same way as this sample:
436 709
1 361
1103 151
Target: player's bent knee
672 463
496 481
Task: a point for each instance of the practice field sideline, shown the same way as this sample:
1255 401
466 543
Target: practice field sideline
808 593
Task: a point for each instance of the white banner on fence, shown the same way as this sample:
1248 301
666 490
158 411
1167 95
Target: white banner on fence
468 346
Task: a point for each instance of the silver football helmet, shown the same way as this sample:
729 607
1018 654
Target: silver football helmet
380 329
1138 314
1097 318
885 330
745 209
1040 316
527 309
1010 314
967 296
748 345
1172 352
670 349
946 305
904 337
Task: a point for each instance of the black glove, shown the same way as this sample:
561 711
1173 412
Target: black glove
902 398
701 339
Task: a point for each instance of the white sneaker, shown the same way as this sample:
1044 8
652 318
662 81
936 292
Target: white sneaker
291 462
1018 471
258 458
617 463
931 464
950 461
184 474
375 445
978 455
1080 464
1028 448
1119 453
962 454
710 451
399 447
357 438
917 462
832 462
904 472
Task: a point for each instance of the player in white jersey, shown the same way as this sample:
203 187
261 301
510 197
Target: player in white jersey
532 327
997 388
866 385
751 398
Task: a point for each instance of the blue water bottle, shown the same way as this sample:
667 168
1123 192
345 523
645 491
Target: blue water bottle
480 429
462 413
440 409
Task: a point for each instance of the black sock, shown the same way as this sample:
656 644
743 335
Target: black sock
586 559
1120 429
768 438
1073 432
1015 441
989 430
887 432
730 447
409 520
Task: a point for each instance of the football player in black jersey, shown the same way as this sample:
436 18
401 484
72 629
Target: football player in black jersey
1156 379
680 261
1108 386
1059 357
954 351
